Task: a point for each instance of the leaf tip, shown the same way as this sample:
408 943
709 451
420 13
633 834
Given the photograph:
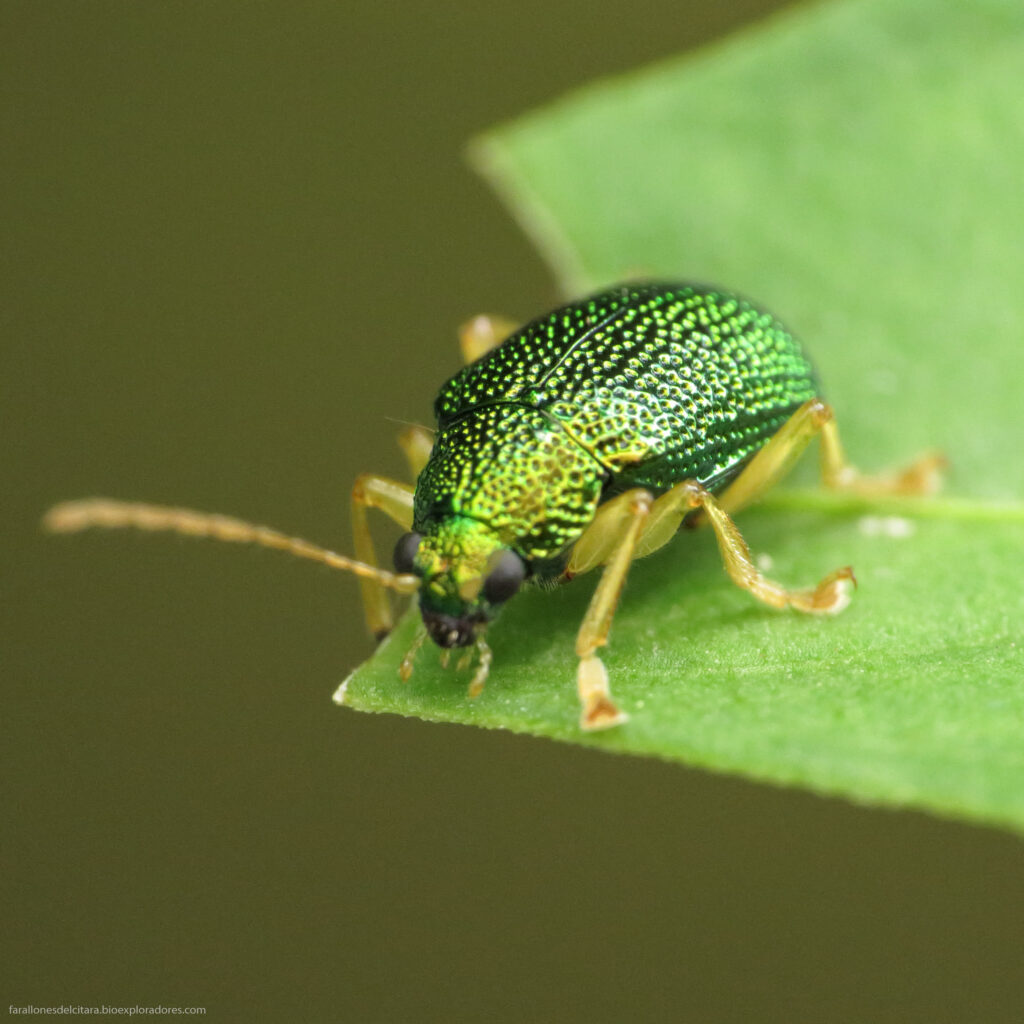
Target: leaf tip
340 694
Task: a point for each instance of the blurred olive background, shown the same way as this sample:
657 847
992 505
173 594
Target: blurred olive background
236 242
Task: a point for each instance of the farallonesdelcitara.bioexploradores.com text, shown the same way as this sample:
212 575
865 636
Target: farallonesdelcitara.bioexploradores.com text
71 1009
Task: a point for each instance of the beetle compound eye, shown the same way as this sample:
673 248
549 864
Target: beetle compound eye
505 578
405 552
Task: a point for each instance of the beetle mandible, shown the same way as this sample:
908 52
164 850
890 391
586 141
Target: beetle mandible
584 439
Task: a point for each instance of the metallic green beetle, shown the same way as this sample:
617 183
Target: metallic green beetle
584 439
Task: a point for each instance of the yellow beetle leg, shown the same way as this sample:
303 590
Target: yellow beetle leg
416 443
813 418
660 525
922 476
395 500
829 597
618 525
478 336
603 535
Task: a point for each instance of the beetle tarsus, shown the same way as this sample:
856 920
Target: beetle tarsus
598 710
405 669
483 668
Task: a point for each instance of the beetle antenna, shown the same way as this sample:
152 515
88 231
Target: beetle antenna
72 516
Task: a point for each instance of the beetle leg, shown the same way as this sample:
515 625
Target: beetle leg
405 668
602 537
617 526
829 597
483 667
416 443
394 500
922 476
815 417
478 336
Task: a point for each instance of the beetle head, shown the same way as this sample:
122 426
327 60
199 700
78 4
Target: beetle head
467 574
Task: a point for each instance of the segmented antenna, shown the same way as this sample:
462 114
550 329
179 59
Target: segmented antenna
72 516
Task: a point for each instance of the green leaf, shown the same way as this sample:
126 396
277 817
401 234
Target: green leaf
857 168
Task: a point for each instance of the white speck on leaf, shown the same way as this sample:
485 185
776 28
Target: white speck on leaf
886 526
